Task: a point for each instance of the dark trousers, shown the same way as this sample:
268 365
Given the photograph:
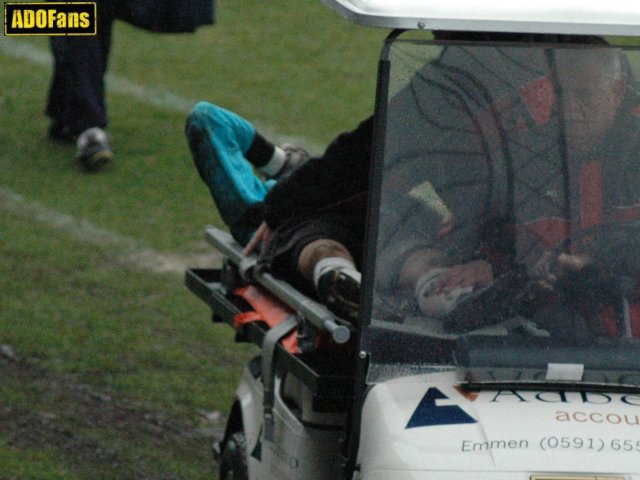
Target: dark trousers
77 95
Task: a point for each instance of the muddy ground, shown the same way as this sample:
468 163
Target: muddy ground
93 431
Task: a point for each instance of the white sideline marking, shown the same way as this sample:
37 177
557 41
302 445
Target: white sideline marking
128 251
157 97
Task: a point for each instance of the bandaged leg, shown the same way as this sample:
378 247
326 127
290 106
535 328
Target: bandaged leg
431 300
331 268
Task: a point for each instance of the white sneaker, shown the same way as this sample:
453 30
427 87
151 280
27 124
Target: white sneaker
93 150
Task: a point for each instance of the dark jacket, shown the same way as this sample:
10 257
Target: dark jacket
341 173
164 16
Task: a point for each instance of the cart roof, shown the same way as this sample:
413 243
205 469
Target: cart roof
597 17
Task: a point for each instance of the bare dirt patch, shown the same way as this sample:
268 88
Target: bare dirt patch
92 429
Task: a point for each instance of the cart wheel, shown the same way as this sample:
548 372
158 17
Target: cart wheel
233 463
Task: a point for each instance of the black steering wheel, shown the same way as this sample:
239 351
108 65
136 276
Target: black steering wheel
496 302
612 272
614 264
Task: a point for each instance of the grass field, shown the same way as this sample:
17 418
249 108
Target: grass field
109 367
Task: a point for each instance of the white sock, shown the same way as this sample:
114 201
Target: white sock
335 263
276 163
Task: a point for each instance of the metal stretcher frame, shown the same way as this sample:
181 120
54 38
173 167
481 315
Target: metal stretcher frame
330 384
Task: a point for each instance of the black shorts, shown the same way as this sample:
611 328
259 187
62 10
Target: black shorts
289 239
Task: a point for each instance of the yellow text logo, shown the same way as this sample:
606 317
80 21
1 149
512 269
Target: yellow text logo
50 18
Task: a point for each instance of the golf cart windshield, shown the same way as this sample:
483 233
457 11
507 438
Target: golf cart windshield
506 213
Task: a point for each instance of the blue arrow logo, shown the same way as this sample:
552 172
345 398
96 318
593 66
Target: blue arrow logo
428 414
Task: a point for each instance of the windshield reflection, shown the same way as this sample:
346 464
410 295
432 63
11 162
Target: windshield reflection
510 202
